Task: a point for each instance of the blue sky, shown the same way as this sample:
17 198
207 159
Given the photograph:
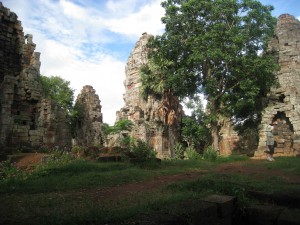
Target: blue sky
87 42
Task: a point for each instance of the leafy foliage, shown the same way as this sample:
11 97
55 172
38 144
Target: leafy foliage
8 170
142 152
118 127
194 133
210 154
179 151
192 154
213 47
58 89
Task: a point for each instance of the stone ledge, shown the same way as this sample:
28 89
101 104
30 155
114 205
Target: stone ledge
225 204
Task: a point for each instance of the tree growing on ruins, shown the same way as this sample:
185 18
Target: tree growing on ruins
213 47
59 90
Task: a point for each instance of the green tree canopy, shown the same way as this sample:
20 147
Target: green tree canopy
118 127
213 47
58 89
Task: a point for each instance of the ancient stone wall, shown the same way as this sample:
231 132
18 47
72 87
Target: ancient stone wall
21 107
283 109
52 126
89 131
155 121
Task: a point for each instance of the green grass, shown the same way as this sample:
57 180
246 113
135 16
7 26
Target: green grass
82 174
66 193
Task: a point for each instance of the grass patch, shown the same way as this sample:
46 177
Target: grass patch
66 193
287 164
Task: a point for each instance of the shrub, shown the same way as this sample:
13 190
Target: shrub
191 153
142 152
179 151
8 170
210 154
79 151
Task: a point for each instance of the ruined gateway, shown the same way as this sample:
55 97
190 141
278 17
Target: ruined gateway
28 119
283 109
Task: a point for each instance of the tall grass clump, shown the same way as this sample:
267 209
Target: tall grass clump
191 153
210 154
179 151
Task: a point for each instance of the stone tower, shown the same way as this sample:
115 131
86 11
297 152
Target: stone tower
88 130
155 121
283 109
25 119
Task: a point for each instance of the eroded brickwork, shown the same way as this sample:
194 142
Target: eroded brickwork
89 131
155 121
283 109
22 120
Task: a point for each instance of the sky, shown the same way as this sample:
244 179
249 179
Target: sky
88 42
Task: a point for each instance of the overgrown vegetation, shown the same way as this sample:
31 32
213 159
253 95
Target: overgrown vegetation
213 48
64 191
59 90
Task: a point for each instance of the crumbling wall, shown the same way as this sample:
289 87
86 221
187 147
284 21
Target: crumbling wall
52 126
20 90
283 109
88 129
155 121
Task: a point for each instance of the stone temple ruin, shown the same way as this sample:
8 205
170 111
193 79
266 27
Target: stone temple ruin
28 119
283 109
155 121
88 129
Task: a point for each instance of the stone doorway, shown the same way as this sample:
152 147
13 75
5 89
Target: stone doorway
283 134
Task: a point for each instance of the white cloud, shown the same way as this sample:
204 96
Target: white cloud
73 11
106 75
73 37
147 19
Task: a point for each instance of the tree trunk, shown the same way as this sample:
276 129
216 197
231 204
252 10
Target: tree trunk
215 135
214 124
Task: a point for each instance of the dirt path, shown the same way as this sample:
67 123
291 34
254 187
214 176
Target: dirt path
255 168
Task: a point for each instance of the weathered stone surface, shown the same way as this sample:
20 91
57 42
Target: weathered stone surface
52 127
155 121
229 137
88 130
283 109
23 121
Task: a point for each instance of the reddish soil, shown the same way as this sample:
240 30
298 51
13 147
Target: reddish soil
28 161
255 168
